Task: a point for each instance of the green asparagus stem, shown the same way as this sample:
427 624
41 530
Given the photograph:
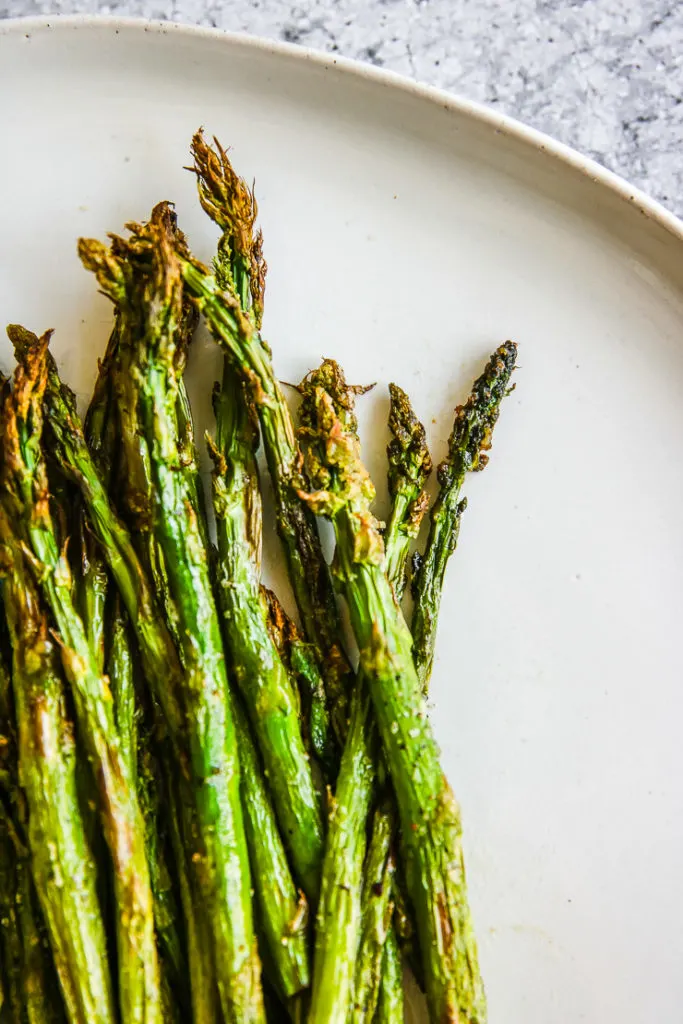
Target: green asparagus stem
48 775
339 911
158 653
255 663
283 912
91 585
24 480
338 936
11 952
467 447
430 819
34 991
205 1009
121 675
376 914
150 304
260 674
240 273
299 658
240 268
102 428
167 916
410 465
390 1008
41 997
159 658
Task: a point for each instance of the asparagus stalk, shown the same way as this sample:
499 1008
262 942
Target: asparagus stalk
430 818
166 909
24 479
159 658
256 664
102 430
390 1007
48 775
11 952
223 301
468 444
376 913
341 917
261 676
205 1008
240 268
299 658
158 653
41 998
151 304
339 911
121 675
283 912
91 584
410 465
34 989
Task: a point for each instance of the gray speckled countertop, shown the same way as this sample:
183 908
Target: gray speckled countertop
604 76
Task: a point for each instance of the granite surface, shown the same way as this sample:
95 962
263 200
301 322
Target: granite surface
604 76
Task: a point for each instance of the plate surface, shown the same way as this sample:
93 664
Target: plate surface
407 234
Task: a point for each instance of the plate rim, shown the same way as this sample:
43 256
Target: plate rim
532 138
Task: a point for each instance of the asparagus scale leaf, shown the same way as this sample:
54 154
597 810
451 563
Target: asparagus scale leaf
25 490
430 818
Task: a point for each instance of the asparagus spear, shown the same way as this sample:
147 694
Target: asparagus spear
467 447
121 675
151 303
256 664
24 481
166 909
261 676
11 952
240 268
376 913
410 465
91 584
34 988
299 658
41 997
341 917
102 429
205 1008
160 663
408 447
339 910
430 818
283 912
48 775
241 272
390 1008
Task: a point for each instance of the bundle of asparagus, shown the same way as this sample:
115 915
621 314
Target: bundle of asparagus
205 813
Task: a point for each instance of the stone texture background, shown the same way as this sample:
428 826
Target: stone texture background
604 76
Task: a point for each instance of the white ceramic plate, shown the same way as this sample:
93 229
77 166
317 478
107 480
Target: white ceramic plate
407 234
